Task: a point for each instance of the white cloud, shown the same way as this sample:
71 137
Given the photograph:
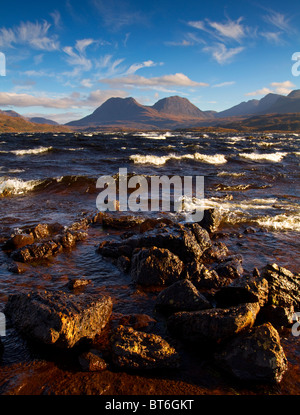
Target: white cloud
223 84
279 20
136 66
34 35
232 30
221 53
178 79
273 37
82 44
77 60
282 88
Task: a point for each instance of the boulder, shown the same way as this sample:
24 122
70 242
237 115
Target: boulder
141 322
230 268
203 278
36 251
58 318
18 241
211 220
278 316
133 349
213 324
181 296
247 289
77 283
216 253
284 286
151 223
92 361
201 234
256 355
155 266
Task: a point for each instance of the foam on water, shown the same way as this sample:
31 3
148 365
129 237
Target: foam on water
38 150
160 160
16 186
275 157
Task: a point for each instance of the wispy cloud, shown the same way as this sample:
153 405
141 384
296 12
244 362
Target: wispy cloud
279 20
230 30
222 84
78 58
178 79
282 88
35 35
221 53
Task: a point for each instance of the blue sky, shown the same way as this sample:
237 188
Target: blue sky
65 58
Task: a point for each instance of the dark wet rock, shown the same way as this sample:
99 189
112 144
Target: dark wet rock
178 239
213 324
133 349
150 223
58 318
42 230
284 286
230 268
247 289
203 278
18 241
141 322
92 361
45 249
36 251
216 253
155 266
123 263
181 296
17 268
211 220
202 236
277 316
256 355
77 283
117 220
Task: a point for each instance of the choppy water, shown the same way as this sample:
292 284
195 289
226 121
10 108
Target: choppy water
254 181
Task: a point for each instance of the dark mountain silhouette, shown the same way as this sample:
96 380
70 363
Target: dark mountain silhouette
41 120
285 104
180 107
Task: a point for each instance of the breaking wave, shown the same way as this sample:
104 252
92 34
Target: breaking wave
38 150
160 160
275 157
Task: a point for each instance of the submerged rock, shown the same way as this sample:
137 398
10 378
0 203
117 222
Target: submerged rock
92 361
213 324
181 296
256 355
58 318
155 266
133 349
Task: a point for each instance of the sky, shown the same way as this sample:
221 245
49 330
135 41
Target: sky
61 59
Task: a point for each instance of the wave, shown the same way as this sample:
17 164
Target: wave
281 222
228 173
16 186
38 150
160 160
275 157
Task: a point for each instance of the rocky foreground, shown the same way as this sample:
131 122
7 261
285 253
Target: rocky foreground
207 299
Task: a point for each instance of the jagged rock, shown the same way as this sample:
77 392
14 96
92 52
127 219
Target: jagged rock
76 283
256 355
247 289
277 316
155 266
212 324
216 253
58 318
124 263
17 268
133 349
151 223
203 278
141 322
36 251
201 234
18 241
181 296
211 220
230 268
284 286
92 361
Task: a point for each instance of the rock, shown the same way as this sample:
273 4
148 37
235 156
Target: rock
17 268
155 266
211 220
284 287
216 253
247 289
77 283
181 296
92 361
123 263
203 278
230 268
58 318
213 324
120 221
133 349
256 355
178 239
278 316
150 223
36 251
18 241
202 236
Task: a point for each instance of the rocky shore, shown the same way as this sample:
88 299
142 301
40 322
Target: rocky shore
202 293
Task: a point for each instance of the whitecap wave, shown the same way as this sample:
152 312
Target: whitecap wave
38 150
275 157
160 160
281 222
16 186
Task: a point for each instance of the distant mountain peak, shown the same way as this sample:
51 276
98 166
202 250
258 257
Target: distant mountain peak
178 106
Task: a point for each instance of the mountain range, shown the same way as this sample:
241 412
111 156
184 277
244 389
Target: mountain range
178 112
272 112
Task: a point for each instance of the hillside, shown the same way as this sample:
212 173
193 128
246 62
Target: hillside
14 124
268 122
